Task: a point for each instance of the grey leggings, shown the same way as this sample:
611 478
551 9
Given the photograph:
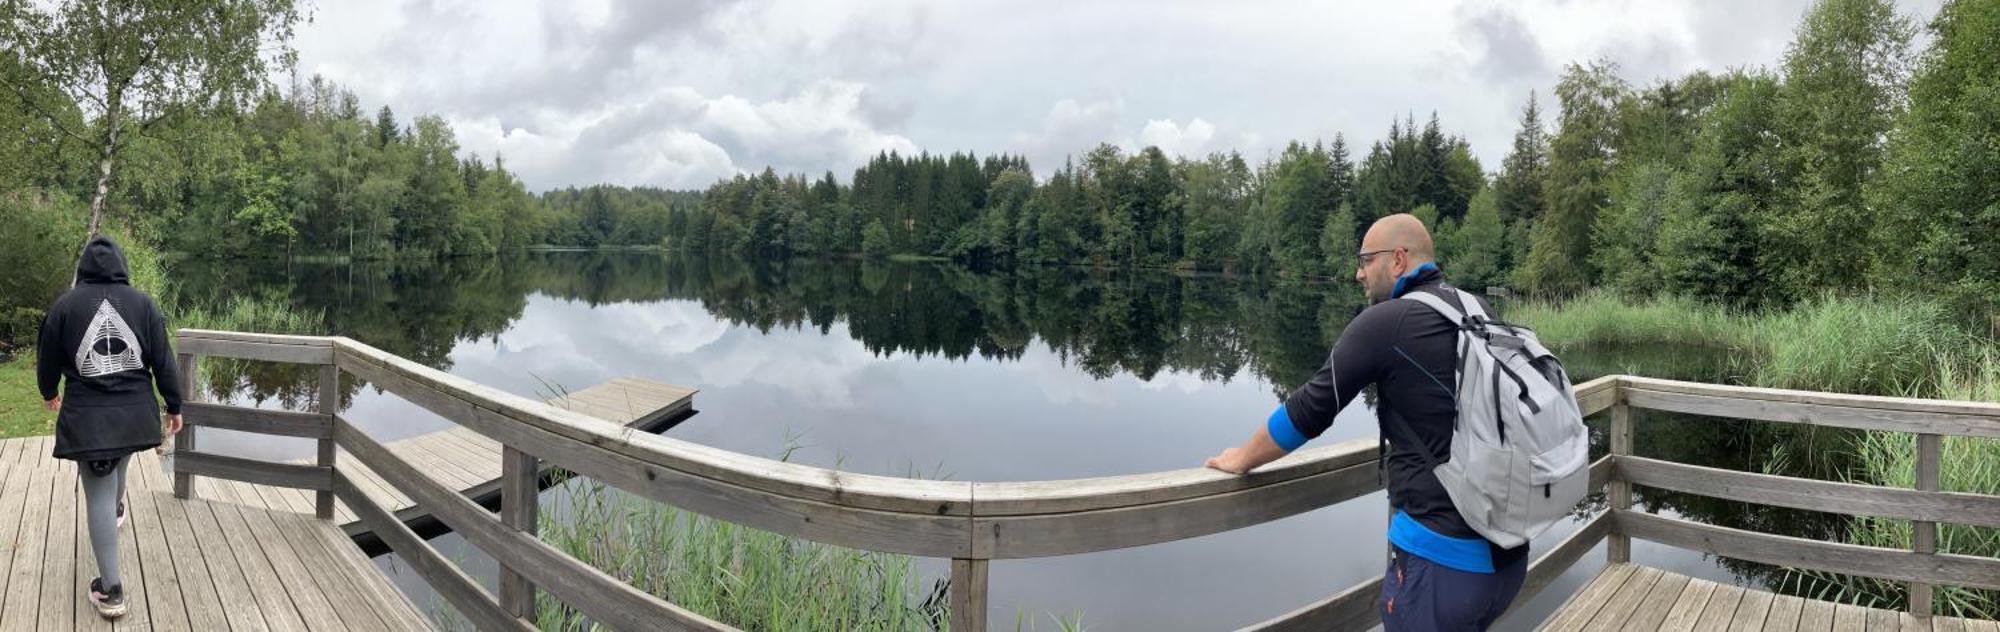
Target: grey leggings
101 493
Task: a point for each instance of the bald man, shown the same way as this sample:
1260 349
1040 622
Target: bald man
1442 575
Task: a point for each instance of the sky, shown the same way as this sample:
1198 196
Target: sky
679 94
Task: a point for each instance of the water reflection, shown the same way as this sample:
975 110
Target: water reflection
935 371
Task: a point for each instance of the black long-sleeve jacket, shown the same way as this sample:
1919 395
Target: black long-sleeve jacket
105 343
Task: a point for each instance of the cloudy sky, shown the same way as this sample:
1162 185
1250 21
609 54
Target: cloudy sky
681 93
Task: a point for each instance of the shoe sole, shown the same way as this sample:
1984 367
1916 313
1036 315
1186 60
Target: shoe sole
108 612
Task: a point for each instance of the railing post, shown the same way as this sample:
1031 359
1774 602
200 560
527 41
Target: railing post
329 404
184 442
1929 447
1618 546
520 475
968 595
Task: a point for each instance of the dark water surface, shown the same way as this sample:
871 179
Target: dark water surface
936 371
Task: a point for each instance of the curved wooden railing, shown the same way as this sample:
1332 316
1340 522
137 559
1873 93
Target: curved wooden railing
971 523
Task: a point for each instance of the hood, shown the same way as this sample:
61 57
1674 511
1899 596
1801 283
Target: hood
102 263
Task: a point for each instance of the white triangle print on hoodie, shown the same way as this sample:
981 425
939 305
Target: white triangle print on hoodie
109 346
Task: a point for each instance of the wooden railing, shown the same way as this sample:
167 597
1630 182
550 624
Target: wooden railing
973 523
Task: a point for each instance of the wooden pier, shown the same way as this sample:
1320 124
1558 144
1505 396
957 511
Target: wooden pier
229 549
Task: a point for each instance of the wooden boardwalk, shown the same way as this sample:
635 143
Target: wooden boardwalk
240 558
465 460
1635 597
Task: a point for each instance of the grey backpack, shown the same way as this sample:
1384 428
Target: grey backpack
1520 455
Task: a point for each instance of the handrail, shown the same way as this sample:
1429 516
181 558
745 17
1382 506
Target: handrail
976 522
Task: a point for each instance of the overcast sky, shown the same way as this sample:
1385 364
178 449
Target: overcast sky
681 93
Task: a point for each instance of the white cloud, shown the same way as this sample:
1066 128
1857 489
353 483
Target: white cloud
679 93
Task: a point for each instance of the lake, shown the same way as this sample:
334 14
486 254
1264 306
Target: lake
932 370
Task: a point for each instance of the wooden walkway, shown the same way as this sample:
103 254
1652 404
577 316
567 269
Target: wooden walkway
467 461
241 558
1635 597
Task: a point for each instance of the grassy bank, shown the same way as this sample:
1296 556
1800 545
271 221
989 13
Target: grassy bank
1870 345
21 413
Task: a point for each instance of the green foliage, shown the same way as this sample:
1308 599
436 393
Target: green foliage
1478 250
39 245
1938 192
1574 182
875 241
1842 90
1340 241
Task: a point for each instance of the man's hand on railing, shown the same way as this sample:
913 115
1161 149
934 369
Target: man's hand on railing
1260 449
173 425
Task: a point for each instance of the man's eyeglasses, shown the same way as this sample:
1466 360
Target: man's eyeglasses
1365 256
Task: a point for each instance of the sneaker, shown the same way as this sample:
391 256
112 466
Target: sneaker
110 604
121 514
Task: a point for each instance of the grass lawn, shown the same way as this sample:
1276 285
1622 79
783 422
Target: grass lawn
21 413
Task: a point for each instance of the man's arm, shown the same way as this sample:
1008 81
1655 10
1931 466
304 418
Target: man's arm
1356 361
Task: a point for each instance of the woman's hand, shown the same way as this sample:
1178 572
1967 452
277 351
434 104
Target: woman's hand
173 425
53 404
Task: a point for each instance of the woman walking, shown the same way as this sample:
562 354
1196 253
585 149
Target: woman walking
105 343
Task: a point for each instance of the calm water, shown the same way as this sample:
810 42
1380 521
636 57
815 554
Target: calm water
933 370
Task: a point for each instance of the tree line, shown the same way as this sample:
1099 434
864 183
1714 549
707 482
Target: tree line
1857 163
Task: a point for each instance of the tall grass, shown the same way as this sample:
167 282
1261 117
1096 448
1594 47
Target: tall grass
1867 344
750 579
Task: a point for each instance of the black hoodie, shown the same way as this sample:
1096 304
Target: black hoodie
108 341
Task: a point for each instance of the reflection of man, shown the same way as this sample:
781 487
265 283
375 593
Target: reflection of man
1442 574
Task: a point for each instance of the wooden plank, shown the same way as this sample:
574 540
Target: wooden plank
1618 547
240 606
329 578
968 594
258 351
1847 618
24 587
254 471
161 591
388 602
1814 409
1798 493
1687 608
520 505
1817 615
1982 410
59 583
283 423
1784 615
1752 611
926 534
259 575
245 336
496 414
1596 395
446 579
190 367
298 580
1924 540
1623 602
1350 609
1585 604
1111 492
605 599
13 497
1721 608
197 587
1545 569
1007 537
1961 570
1947 624
1652 610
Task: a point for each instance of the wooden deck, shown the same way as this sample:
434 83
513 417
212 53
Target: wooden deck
1634 597
238 559
465 460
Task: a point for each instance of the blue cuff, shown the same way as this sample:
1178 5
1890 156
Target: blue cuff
1282 431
